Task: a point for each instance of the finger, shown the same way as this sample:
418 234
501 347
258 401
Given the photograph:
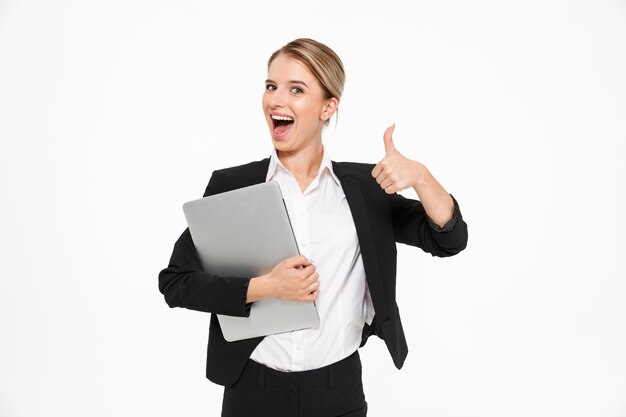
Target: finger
296 261
391 189
306 296
386 183
381 177
312 278
387 138
310 297
377 170
308 270
314 286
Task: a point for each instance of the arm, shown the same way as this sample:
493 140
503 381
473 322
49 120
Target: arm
185 284
434 223
412 226
438 204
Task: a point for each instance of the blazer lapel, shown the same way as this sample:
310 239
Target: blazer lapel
259 171
369 254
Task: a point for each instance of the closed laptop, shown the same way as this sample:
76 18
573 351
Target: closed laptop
245 233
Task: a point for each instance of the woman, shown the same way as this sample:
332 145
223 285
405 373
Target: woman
347 219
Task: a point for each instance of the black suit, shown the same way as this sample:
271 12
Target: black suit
380 219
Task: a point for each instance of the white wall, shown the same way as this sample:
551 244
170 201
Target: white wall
114 113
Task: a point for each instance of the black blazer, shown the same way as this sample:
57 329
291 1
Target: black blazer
380 219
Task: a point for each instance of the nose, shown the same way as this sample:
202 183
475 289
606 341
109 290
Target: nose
277 99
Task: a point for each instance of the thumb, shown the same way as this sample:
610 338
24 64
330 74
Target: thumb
389 146
297 260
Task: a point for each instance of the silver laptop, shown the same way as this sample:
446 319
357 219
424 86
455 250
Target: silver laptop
245 233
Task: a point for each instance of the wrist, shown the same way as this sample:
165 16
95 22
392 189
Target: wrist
258 289
420 175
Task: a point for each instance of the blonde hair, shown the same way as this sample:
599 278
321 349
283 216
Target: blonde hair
320 60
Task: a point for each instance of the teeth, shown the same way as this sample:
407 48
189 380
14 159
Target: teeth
275 117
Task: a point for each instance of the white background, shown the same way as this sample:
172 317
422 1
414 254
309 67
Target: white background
114 113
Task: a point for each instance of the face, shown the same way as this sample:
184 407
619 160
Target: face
295 106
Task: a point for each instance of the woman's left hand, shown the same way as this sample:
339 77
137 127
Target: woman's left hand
395 172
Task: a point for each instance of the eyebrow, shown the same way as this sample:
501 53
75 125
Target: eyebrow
290 82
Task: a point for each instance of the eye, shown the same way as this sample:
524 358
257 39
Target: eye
296 90
270 87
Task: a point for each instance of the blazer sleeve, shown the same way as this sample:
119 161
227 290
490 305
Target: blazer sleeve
184 283
412 226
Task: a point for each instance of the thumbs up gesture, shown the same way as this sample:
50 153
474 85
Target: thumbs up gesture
395 172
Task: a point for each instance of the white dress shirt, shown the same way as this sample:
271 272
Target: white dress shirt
325 232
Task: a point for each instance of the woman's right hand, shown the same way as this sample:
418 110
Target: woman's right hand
294 279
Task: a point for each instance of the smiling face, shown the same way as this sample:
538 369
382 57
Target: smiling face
295 105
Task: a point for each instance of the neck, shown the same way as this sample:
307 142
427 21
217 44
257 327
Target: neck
303 163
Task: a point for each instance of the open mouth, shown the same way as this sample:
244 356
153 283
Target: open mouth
282 124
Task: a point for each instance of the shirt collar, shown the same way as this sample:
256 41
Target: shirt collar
275 164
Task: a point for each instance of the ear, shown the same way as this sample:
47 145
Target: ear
329 108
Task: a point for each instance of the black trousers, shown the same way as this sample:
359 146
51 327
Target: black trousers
333 391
